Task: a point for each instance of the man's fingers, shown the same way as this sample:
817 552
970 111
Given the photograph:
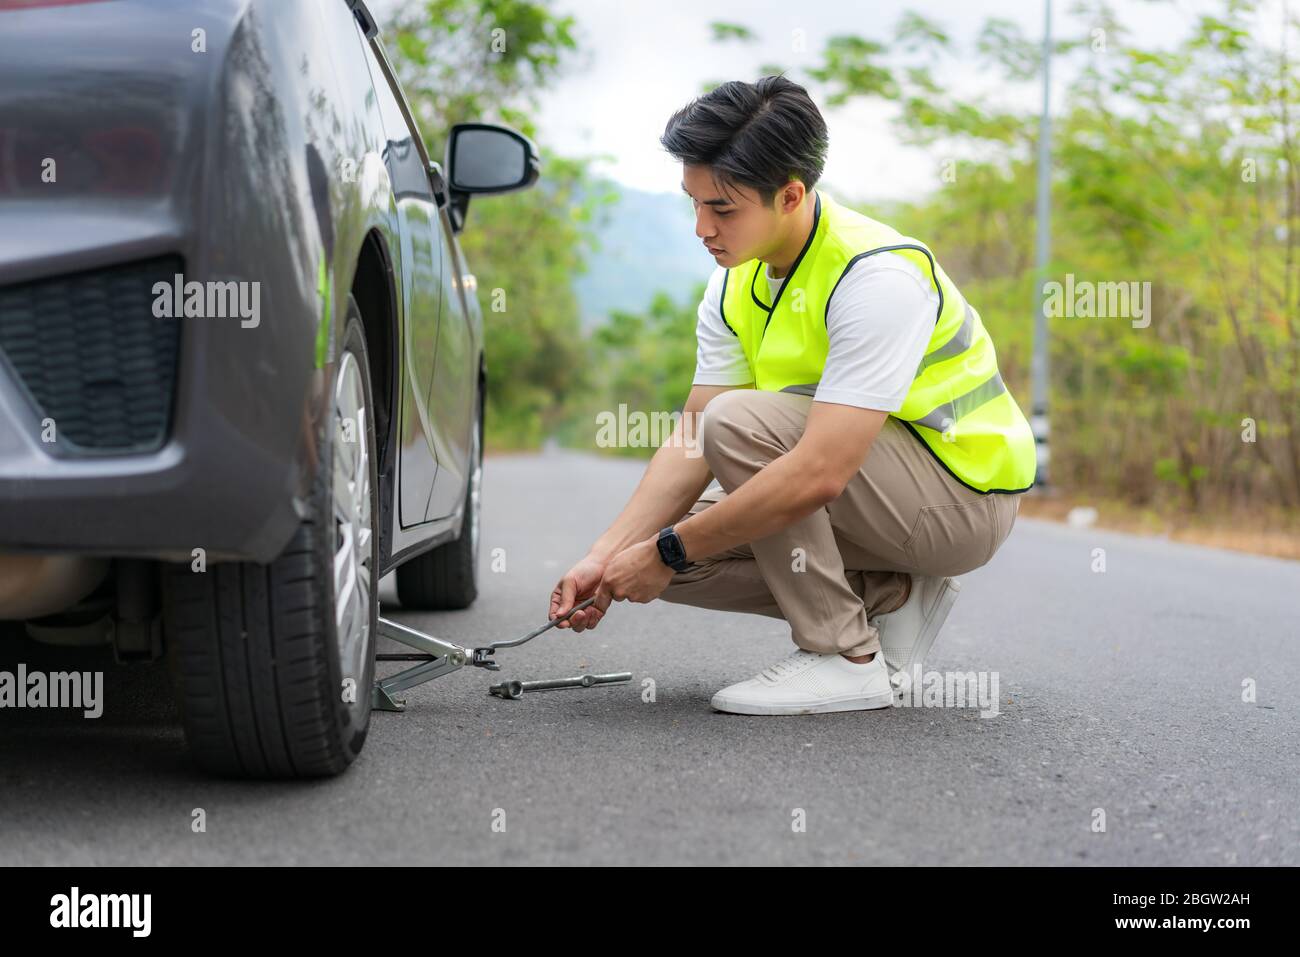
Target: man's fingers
590 618
591 615
567 589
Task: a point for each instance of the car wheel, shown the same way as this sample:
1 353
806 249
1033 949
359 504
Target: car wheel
273 664
446 577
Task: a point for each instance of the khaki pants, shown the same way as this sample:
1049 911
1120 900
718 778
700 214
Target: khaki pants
829 573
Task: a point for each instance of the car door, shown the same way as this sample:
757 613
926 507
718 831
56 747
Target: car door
454 393
422 280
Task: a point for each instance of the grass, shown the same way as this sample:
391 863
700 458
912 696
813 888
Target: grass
1258 530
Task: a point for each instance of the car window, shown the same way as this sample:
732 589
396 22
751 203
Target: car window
399 123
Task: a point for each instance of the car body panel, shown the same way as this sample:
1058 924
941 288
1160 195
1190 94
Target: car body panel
453 389
161 148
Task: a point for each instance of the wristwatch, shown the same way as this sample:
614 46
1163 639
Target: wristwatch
671 550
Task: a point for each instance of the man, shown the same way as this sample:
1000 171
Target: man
846 399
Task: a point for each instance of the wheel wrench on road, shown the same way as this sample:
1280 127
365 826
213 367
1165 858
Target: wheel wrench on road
515 689
439 657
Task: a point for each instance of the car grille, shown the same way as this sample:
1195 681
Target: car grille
93 357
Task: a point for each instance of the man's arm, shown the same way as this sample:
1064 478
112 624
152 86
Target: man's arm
834 444
678 473
879 324
672 482
878 327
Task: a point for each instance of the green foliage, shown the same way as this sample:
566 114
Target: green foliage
643 361
487 60
721 31
460 60
526 248
1174 165
852 70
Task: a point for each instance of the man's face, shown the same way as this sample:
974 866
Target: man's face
732 221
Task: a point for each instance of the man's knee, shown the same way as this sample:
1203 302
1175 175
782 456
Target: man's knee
731 415
719 417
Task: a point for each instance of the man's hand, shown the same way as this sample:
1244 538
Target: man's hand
672 483
637 574
578 584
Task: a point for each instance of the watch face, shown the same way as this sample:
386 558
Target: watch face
670 549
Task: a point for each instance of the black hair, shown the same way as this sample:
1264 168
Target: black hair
759 135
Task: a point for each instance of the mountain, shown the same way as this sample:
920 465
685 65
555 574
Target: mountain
647 243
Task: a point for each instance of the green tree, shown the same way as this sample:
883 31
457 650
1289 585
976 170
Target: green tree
1175 167
489 61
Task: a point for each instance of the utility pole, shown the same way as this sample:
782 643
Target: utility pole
1038 364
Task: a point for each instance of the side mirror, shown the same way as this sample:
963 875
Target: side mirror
487 158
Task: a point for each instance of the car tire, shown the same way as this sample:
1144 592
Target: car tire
273 665
445 578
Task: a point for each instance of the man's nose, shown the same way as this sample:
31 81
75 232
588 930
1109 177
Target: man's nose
702 229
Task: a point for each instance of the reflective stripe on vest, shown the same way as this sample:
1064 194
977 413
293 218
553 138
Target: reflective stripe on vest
957 405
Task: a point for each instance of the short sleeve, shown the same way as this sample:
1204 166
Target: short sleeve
879 322
719 356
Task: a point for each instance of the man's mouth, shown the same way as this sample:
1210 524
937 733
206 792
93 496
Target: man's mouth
713 249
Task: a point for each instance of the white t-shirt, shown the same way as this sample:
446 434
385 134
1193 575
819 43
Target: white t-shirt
880 320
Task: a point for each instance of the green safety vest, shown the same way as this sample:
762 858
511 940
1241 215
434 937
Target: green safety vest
957 406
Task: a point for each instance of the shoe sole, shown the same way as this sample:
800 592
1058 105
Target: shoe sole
884 699
933 624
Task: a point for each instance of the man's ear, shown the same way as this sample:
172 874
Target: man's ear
790 196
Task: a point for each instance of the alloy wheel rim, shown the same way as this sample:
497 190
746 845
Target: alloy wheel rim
353 531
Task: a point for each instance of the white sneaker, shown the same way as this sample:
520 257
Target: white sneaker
809 683
908 633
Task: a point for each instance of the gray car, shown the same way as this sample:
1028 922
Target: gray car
242 372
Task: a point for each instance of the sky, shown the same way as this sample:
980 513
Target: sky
640 61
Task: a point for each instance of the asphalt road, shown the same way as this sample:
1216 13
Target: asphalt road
1119 691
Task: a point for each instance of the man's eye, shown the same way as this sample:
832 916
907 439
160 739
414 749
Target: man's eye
727 213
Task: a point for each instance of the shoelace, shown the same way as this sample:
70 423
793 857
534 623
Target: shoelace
786 665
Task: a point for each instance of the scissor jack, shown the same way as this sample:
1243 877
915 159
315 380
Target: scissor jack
438 657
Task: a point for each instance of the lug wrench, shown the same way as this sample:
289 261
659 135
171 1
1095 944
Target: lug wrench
439 657
513 690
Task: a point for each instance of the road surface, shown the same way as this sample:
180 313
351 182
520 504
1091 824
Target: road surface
1121 693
